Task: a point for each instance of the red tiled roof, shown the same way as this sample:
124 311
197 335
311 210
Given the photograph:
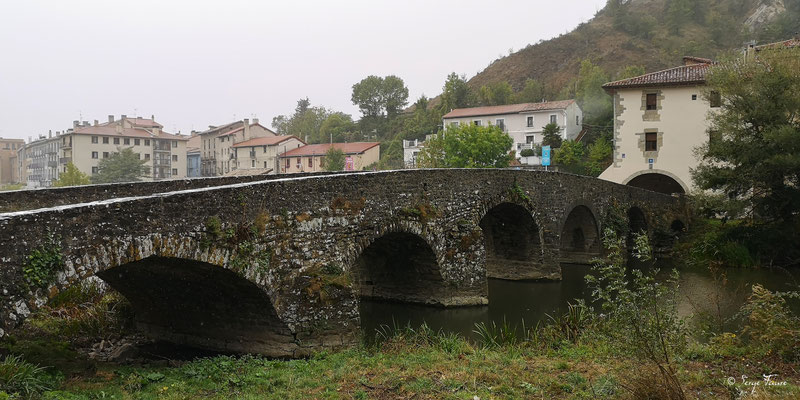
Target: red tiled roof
241 128
508 109
266 141
320 149
694 74
144 122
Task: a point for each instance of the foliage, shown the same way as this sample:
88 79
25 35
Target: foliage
42 264
338 128
122 166
496 94
532 92
594 101
527 153
551 135
770 323
379 97
71 177
456 93
21 378
306 122
599 156
424 121
640 313
467 146
752 156
570 156
11 186
334 159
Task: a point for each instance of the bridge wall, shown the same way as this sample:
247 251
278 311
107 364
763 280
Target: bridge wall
299 241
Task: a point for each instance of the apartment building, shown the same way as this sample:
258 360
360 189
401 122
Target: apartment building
311 158
86 144
9 169
523 122
217 155
260 155
38 161
193 156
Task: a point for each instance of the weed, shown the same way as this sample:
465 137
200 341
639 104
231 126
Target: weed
21 378
42 264
516 191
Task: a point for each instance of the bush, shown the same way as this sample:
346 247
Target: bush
527 153
21 378
771 325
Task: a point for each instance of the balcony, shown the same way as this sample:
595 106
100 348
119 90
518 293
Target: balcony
65 160
52 164
161 162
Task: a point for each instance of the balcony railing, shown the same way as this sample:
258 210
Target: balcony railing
65 160
52 164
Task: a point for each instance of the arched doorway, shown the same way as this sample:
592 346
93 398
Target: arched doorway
657 182
398 266
511 239
199 304
580 237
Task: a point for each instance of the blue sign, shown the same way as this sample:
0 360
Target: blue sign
545 155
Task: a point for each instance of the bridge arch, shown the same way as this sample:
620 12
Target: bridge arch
580 234
398 264
658 181
512 241
186 293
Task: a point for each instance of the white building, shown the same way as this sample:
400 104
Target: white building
660 118
523 122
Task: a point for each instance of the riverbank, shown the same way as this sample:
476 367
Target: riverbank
422 364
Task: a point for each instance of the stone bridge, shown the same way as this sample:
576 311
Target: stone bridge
278 266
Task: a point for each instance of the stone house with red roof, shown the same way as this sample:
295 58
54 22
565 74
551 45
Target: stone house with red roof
260 155
523 122
311 158
217 154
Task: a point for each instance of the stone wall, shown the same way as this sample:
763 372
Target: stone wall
303 244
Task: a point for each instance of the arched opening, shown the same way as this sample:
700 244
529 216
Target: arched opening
199 304
398 266
511 239
657 182
580 237
677 228
637 224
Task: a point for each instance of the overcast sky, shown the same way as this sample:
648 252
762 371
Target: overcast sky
199 63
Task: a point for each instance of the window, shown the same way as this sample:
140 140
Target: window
530 121
651 102
265 164
310 162
264 150
174 157
577 120
138 156
694 97
175 143
477 122
94 170
116 140
147 142
529 139
126 141
715 99
454 124
252 163
94 139
553 119
146 156
287 163
174 171
105 140
651 141
94 154
501 123
299 163
105 154
135 142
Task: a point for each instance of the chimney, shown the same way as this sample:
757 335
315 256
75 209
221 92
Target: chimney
153 117
246 129
50 133
75 123
255 121
123 116
96 122
85 123
110 119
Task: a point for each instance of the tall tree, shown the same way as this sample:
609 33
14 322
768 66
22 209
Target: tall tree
570 157
496 94
594 101
339 127
71 177
753 155
122 166
395 95
305 123
551 135
456 93
368 96
424 121
532 92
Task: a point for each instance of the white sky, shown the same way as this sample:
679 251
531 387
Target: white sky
196 63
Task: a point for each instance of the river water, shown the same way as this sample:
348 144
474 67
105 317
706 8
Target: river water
531 301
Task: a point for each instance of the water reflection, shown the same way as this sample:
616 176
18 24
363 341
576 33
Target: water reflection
531 301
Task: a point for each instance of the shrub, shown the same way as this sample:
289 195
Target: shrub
770 324
527 153
19 377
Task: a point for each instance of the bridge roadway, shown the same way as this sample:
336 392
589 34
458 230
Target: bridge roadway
278 266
